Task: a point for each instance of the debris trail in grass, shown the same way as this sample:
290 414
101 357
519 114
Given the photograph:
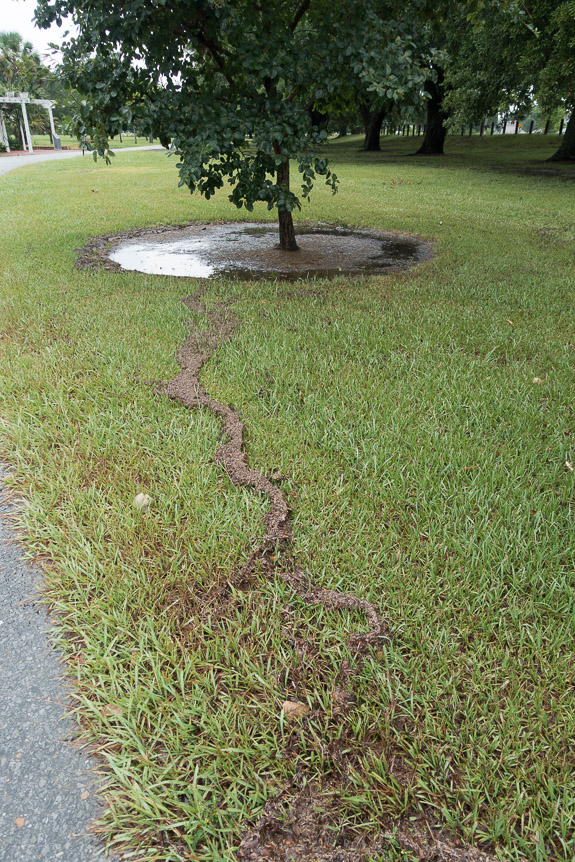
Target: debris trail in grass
292 835
186 388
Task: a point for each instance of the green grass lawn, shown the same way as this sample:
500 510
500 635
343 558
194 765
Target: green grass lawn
71 143
427 471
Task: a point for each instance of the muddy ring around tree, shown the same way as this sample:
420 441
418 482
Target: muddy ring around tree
250 250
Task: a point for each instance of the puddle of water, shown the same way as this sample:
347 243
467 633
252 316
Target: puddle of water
163 258
248 250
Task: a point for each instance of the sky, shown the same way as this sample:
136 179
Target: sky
17 15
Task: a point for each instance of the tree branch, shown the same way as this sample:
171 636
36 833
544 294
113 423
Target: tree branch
216 54
300 13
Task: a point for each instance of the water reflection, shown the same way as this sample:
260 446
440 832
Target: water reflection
183 257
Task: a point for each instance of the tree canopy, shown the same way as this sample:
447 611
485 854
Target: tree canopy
229 84
21 67
513 54
236 87
22 70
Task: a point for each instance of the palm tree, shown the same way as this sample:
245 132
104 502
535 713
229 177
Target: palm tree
20 64
21 70
13 41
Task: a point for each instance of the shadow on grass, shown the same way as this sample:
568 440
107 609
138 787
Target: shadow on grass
525 155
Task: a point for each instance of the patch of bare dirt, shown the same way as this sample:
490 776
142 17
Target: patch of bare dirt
307 828
250 250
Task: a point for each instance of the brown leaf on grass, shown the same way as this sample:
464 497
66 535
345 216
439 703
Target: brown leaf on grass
111 709
537 380
569 466
20 821
294 710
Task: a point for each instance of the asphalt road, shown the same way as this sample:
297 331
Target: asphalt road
47 786
47 783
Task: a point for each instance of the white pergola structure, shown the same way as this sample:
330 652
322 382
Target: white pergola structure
23 99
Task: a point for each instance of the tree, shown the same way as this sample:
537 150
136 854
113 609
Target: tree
551 51
231 85
513 53
372 122
469 66
436 115
20 65
391 75
22 70
393 83
228 83
436 38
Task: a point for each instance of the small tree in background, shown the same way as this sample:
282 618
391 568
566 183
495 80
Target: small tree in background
228 84
20 65
232 85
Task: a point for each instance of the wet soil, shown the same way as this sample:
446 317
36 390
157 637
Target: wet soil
249 250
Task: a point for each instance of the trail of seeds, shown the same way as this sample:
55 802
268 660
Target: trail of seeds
186 388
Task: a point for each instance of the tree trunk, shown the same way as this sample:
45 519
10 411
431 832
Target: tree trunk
286 228
319 119
436 116
372 122
567 148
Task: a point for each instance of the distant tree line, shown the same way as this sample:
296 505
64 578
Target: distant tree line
480 61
